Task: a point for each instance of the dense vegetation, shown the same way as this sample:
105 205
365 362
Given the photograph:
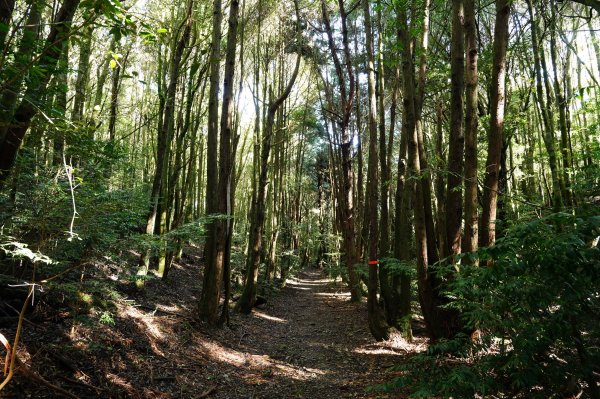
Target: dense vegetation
442 158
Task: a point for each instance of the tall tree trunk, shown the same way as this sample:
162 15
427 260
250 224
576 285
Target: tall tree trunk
547 119
218 235
561 103
377 323
558 184
207 305
471 122
440 322
454 202
83 74
385 278
347 210
12 86
248 298
21 120
158 202
425 179
440 185
495 138
402 236
61 83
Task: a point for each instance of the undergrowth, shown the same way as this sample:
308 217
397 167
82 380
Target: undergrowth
532 318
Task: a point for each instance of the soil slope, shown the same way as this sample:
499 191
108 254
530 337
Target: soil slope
308 341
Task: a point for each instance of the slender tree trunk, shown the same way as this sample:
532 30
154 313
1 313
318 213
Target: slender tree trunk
454 202
347 210
21 120
385 281
440 322
61 83
425 179
12 86
495 138
439 181
471 122
561 103
248 298
548 131
158 202
114 102
83 74
403 236
211 283
377 323
218 237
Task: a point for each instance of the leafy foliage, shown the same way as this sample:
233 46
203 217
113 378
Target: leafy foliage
535 314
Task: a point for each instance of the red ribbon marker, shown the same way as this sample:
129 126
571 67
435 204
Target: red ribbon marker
373 262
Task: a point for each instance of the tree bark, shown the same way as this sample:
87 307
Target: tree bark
561 103
12 86
495 137
454 202
541 74
471 122
248 298
158 202
220 229
377 323
346 211
21 120
83 74
438 323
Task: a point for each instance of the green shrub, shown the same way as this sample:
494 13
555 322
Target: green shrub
536 313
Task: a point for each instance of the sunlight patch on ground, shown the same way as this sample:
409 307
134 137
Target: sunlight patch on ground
147 319
314 283
395 346
259 363
298 287
334 295
418 344
377 351
303 373
120 382
300 283
267 317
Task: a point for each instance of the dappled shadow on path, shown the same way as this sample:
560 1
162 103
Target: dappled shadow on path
323 340
309 341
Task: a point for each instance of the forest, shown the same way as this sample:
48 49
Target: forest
300 199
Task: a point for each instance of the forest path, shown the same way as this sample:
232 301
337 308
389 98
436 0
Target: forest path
309 341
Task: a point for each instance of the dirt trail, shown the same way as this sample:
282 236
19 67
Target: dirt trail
308 341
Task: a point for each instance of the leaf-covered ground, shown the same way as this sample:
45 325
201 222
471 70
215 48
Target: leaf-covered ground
308 341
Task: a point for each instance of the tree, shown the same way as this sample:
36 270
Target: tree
158 195
377 323
471 124
220 229
345 194
248 298
495 137
454 201
17 123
